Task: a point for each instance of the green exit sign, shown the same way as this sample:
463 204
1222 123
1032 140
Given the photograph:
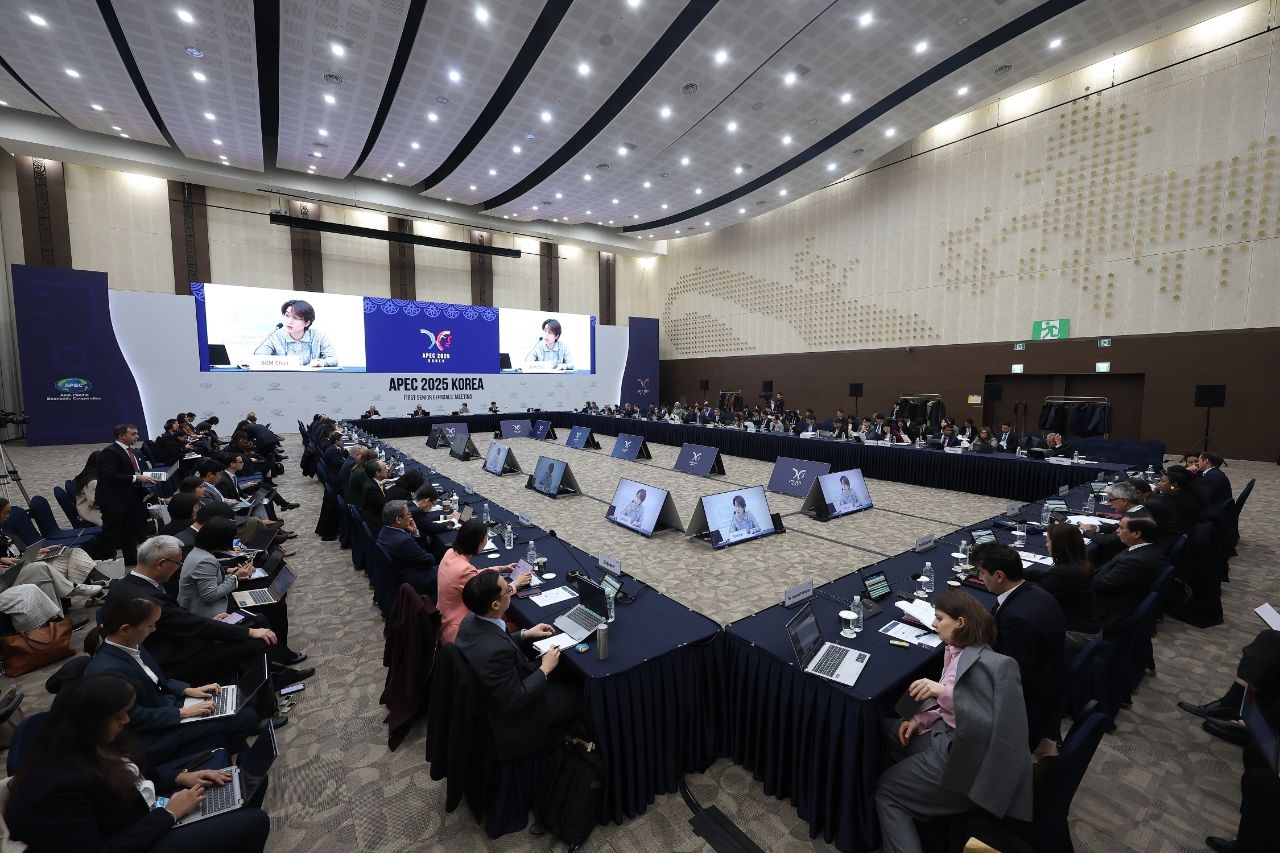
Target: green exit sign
1050 330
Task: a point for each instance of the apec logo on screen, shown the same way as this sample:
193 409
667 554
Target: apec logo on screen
434 336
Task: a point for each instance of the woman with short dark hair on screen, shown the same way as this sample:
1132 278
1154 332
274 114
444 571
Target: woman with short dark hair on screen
742 519
297 338
633 513
550 350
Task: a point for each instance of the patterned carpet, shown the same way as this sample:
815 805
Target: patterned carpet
1158 784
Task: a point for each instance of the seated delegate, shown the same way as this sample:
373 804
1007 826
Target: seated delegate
412 563
456 569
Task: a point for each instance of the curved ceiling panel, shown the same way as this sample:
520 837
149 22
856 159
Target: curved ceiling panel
16 97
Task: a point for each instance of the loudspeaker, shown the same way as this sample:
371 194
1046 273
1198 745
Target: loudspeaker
766 386
992 392
1211 396
855 389
704 384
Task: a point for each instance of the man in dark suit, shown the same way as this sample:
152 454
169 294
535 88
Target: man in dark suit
1056 445
1214 486
948 437
334 453
413 563
1126 499
169 447
1177 486
1007 440
121 493
1122 583
1030 628
373 497
522 704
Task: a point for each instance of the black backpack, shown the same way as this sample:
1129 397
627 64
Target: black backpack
572 800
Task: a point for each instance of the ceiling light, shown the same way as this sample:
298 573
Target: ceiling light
677 230
415 146
962 91
586 177
115 127
706 222
125 135
622 151
697 190
664 206
634 4
211 116
1055 44
448 198
665 112
400 165
782 192
455 76
217 142
200 78
316 154
330 100
546 115
831 167
846 97
786 140
635 216
473 187
194 52
515 149
4 103
610 221
222 156
922 46
890 132
684 161
384 180
588 213
97 107
615 201
865 19
559 195
790 78
389 175
71 72
338 50
37 20
742 210
737 170
647 185
320 131
584 69
732 126
432 117
722 56
535 207
482 14
493 173
186 17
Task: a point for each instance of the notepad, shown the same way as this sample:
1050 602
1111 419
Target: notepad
554 596
560 641
918 609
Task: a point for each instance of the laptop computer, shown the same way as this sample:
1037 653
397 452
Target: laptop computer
246 778
818 657
218 356
162 474
275 592
232 697
588 615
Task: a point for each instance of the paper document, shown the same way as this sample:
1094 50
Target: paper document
1269 615
1088 519
1028 557
560 641
912 634
918 609
554 596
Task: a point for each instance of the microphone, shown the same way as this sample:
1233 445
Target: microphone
277 327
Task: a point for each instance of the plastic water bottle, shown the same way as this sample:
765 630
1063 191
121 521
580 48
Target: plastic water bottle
1151 474
484 512
1045 515
609 596
509 538
1075 457
1090 503
531 556
926 579
857 613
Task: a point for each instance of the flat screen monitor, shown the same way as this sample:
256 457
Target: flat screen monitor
496 458
546 342
737 516
547 476
636 506
265 329
844 492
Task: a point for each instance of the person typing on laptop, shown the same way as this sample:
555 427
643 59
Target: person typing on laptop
80 786
522 704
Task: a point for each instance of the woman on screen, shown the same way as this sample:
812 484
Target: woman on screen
544 482
633 513
848 499
742 519
297 339
549 350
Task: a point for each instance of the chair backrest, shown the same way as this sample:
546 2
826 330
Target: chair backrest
1072 681
68 505
382 574
1162 580
1054 795
42 514
1175 553
23 735
1243 496
19 523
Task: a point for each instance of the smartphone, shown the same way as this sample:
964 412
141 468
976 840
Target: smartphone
233 618
293 688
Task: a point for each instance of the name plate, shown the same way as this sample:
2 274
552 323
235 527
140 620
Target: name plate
612 565
797 594
1012 510
1063 491
1059 460
273 362
924 543
524 521
877 443
953 450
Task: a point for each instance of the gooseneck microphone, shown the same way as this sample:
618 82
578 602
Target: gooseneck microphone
277 327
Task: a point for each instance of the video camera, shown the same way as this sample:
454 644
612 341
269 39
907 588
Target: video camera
16 418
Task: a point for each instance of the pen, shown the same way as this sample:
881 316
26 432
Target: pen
903 643
926 632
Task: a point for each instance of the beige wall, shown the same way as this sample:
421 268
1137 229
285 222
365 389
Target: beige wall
120 225
580 280
1148 205
244 248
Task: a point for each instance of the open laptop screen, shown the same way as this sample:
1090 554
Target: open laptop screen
804 634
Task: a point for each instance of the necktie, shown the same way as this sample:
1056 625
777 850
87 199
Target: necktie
133 459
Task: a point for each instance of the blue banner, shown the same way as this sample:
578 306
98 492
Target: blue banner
517 429
540 429
76 383
696 459
795 476
429 337
640 376
578 437
627 446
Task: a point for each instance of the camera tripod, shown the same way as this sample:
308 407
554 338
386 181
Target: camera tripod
10 475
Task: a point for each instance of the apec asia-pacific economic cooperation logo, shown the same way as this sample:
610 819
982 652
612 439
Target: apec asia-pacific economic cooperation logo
437 343
73 385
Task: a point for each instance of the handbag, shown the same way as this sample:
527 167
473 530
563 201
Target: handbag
29 650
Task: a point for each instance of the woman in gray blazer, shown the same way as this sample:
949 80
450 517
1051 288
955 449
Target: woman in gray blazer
205 587
964 736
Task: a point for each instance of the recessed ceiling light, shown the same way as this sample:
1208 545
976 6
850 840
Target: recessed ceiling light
37 20
677 230
493 173
194 52
584 69
316 154
890 132
922 46
338 50
473 187
962 91
790 78
586 177
647 185
786 140
665 112
622 151
664 206
737 170
505 216
400 165
322 131
1055 44
71 72
482 14
97 107
722 56
588 213
4 103
634 4
865 19
384 180
697 190
559 195
330 100
455 76
217 142
546 115
684 161
742 210
831 167
211 116
226 163
200 78
615 201
610 221
186 17
635 216
222 156
415 146
535 207
782 192
432 117
706 222
389 175
732 126
125 135
115 127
